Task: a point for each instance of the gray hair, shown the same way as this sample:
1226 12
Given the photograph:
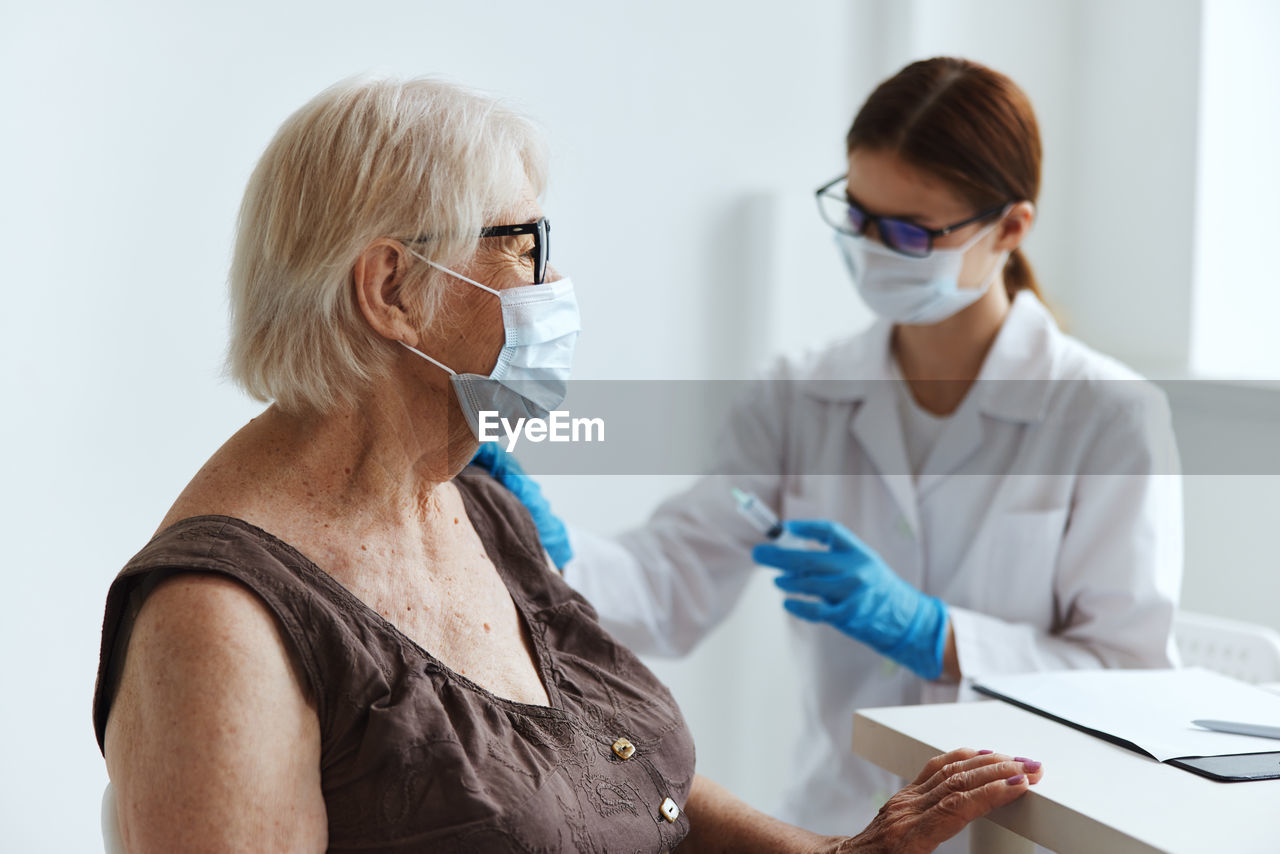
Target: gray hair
364 159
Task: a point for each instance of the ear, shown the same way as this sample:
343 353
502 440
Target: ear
1015 226
377 276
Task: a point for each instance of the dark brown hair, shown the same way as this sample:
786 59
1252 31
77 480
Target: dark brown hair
965 123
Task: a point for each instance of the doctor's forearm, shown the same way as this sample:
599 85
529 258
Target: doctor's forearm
989 645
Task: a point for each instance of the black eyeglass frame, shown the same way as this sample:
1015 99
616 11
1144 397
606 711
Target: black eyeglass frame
885 234
541 231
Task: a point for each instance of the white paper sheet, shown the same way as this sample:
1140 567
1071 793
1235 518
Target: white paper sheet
1151 708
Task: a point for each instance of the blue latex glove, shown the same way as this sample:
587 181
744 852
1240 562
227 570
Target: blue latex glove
506 471
860 595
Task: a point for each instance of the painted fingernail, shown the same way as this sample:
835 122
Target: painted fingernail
1031 765
1021 759
1016 779
985 752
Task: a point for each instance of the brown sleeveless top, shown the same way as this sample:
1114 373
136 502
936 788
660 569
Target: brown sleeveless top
416 757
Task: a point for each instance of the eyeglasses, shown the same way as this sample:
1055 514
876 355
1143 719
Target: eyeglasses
907 238
541 251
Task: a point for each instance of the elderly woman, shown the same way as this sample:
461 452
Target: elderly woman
339 638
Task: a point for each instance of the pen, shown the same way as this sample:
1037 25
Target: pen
1241 728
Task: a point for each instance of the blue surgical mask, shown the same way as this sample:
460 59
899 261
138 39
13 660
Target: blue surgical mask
917 291
531 376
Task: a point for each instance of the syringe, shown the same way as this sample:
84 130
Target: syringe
766 521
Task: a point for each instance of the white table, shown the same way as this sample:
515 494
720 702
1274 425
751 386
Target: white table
1095 798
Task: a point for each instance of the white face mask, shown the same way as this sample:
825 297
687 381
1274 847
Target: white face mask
531 376
915 291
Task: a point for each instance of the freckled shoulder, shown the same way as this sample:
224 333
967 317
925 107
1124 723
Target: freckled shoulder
212 711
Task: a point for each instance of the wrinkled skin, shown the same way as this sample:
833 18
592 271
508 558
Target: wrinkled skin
951 791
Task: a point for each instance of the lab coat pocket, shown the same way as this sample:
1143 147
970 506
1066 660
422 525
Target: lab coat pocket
1010 572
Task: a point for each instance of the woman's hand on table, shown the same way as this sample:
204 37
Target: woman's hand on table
952 790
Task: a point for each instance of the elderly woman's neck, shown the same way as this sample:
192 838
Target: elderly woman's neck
377 455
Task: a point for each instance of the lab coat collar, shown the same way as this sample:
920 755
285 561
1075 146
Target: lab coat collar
852 370
861 371
877 425
1013 385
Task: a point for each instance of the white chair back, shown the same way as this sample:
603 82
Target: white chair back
1245 651
111 841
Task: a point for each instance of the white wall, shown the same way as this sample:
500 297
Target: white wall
1232 568
1237 288
687 138
1134 182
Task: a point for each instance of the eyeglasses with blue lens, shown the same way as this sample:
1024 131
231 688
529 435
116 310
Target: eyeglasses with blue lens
902 236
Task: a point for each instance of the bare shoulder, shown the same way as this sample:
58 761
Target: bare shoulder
212 742
236 480
201 624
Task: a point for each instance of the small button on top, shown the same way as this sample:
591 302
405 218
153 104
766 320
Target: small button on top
623 749
670 811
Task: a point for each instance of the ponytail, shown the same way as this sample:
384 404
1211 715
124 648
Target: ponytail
1018 275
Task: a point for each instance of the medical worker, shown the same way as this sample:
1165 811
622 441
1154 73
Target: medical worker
992 496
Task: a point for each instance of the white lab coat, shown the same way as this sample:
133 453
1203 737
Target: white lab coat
1048 518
